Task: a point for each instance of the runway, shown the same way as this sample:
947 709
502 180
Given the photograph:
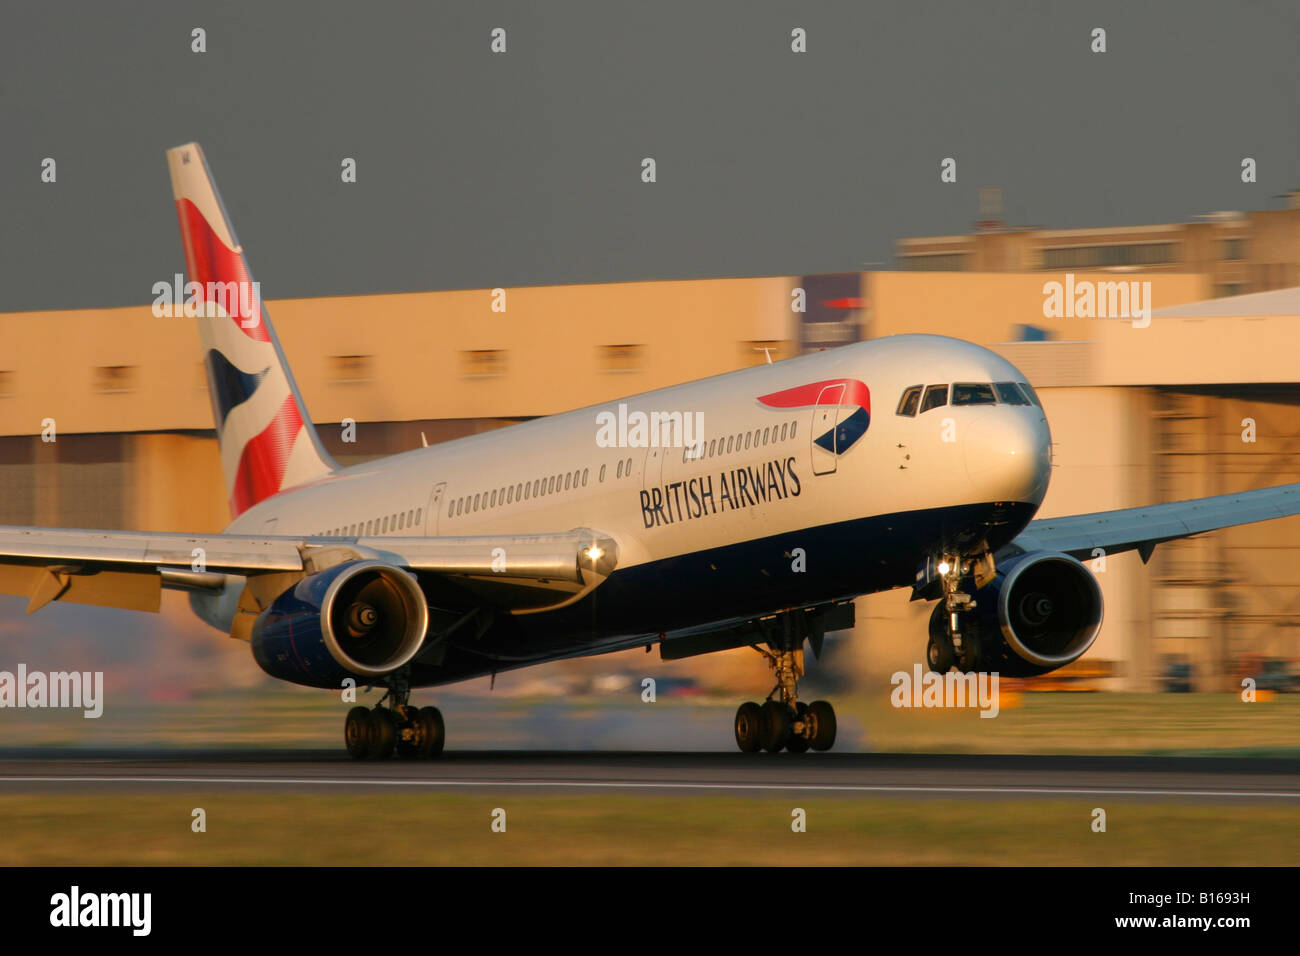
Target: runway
1215 779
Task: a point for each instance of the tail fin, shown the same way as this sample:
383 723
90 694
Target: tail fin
267 441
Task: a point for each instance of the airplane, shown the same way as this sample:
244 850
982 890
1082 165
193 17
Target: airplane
907 461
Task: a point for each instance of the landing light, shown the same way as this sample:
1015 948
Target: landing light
944 567
594 553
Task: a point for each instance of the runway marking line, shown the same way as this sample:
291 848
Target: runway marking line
651 785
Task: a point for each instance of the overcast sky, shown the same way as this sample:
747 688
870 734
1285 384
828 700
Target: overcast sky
478 169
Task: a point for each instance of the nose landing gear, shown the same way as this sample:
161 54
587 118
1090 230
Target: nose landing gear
954 636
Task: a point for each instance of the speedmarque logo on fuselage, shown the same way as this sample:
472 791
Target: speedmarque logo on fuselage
848 405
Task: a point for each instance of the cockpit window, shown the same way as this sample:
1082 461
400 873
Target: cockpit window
910 400
1009 393
935 397
973 393
1033 396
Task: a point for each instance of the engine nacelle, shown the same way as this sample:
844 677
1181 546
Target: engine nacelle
1042 611
360 619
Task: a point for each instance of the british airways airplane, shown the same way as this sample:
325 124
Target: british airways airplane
910 461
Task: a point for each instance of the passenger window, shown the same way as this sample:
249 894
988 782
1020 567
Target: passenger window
602 473
418 513
793 426
978 393
618 472
730 440
907 405
584 477
936 396
1009 393
766 435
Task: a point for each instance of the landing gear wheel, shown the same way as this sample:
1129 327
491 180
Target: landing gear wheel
383 733
939 655
798 742
749 718
356 732
774 729
822 716
408 733
432 732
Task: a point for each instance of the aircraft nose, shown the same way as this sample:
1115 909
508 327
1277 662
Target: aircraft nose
1009 454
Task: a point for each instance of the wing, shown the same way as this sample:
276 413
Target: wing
126 569
1144 528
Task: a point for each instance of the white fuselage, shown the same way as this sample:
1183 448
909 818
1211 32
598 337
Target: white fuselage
946 456
815 482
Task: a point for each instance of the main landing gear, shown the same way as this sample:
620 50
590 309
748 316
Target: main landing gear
379 731
785 722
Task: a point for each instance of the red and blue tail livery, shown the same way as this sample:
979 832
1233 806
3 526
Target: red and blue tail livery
846 403
267 441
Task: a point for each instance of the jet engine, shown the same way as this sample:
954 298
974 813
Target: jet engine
359 619
1041 611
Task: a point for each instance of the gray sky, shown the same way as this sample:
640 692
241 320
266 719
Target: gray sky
477 169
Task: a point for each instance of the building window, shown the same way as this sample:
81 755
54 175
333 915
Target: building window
1232 249
621 358
933 262
1101 257
481 363
110 379
350 369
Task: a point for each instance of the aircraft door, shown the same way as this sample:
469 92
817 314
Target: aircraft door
824 437
434 509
